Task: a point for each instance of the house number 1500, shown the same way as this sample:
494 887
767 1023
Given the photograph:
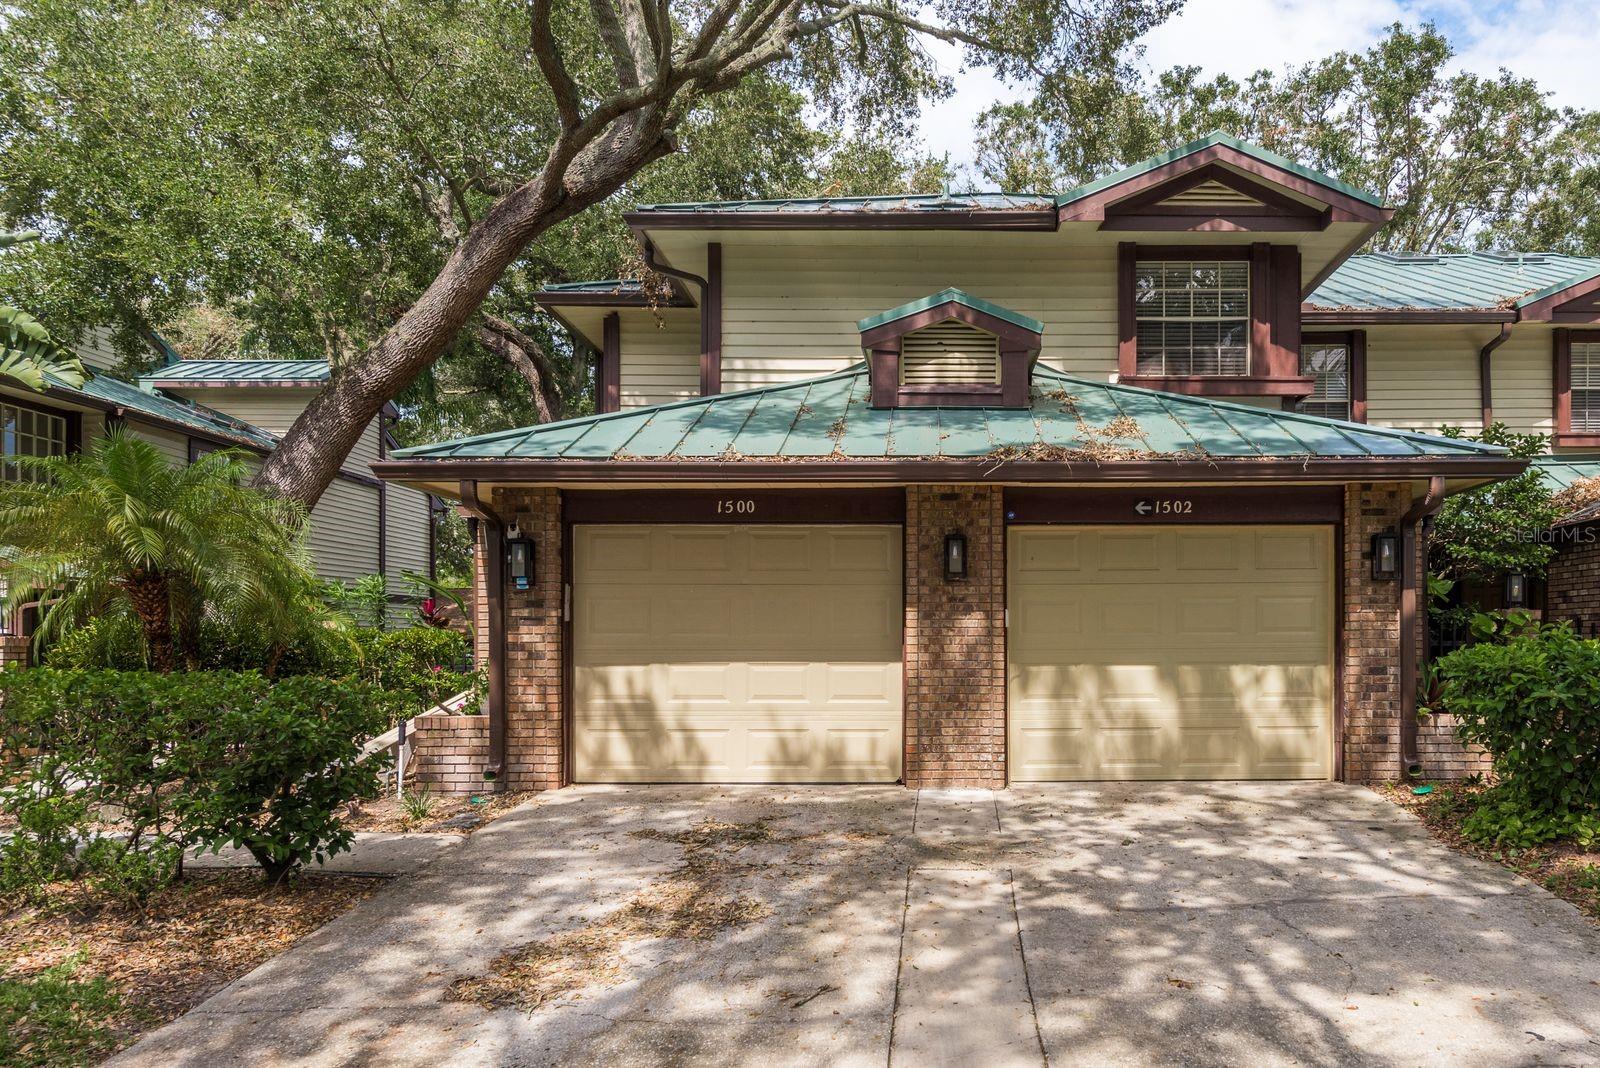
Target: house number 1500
730 507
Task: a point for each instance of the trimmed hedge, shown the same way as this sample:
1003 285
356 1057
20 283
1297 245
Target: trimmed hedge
212 759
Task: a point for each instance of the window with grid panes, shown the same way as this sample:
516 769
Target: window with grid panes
28 432
1329 361
1192 317
1586 387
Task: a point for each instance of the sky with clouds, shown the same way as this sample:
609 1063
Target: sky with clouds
1556 42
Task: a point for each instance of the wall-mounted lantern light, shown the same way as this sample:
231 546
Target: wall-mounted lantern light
1385 555
519 560
955 556
1516 590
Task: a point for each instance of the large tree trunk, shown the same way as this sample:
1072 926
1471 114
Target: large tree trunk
311 453
147 592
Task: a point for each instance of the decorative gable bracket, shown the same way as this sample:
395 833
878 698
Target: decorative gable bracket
951 350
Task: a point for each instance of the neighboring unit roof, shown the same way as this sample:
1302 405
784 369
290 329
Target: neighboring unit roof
1559 472
1457 281
103 391
239 372
951 296
1217 137
831 418
898 202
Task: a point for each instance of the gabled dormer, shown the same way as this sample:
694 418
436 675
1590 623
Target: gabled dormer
951 350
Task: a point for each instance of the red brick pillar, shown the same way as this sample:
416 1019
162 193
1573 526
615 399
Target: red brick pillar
535 743
1371 670
955 640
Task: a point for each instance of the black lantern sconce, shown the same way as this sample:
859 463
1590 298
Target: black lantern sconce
1385 555
1516 590
519 560
955 557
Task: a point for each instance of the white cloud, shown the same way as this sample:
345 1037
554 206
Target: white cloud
1555 42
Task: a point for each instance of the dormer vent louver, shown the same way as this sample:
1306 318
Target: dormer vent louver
949 353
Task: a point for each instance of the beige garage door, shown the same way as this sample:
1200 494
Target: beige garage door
1170 653
737 653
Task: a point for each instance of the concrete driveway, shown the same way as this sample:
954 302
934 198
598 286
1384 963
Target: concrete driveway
1168 923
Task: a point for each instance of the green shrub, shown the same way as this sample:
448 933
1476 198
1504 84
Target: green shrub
1531 698
114 643
208 758
365 601
42 846
425 665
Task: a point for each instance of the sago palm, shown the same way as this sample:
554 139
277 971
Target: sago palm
118 528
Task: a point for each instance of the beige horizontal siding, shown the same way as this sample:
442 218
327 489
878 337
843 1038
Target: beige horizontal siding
96 350
1425 377
660 355
274 409
1524 387
791 312
173 446
344 531
407 542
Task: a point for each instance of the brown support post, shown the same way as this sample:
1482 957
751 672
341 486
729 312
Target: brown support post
1410 565
1263 361
1358 376
493 568
611 363
711 323
1561 376
1127 321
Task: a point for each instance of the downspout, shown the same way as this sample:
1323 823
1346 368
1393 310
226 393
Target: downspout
1410 761
494 565
1485 376
655 264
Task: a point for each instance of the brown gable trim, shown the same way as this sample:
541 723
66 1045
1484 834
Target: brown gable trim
1577 304
1039 219
1311 315
1147 211
1019 348
1003 329
976 470
1341 206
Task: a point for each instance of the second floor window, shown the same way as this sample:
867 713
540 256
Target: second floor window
1193 317
1329 362
28 432
1586 387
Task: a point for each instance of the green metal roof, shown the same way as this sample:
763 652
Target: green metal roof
1217 137
1460 281
1559 472
830 417
229 372
951 296
102 390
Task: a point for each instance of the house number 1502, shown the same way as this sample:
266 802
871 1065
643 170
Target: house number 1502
731 507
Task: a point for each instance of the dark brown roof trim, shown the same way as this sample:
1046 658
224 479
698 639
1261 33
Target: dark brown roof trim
557 299
1313 316
1039 219
1554 308
899 472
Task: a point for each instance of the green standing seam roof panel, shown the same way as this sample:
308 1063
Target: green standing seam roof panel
1559 472
202 372
196 417
951 296
1455 281
823 416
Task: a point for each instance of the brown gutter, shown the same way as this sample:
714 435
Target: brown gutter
1485 375
710 332
1410 762
494 559
976 470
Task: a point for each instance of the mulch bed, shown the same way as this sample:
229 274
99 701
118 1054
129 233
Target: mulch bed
450 814
1567 870
189 940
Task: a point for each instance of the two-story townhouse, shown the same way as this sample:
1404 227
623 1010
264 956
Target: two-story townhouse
1120 483
361 526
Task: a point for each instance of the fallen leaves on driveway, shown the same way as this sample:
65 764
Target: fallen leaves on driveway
696 901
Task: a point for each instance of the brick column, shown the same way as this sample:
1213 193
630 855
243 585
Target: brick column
955 640
1370 673
534 722
449 753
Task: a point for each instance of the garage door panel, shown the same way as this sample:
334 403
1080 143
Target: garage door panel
774 658
1200 666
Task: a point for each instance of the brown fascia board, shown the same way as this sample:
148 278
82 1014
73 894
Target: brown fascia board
1311 315
977 470
1342 207
547 299
1546 310
1027 219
